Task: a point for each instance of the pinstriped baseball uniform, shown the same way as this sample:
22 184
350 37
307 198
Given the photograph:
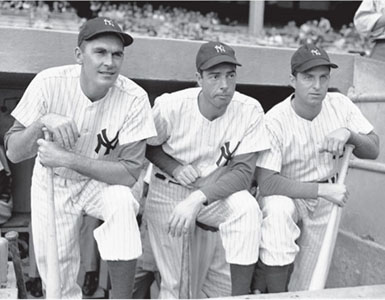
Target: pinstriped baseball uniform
295 154
190 138
123 116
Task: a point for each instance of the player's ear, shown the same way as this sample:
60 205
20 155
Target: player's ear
198 76
293 80
79 55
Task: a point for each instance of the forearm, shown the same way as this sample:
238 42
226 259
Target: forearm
365 145
161 159
272 183
21 145
236 177
111 172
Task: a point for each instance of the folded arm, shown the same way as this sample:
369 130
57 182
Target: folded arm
365 145
235 177
272 183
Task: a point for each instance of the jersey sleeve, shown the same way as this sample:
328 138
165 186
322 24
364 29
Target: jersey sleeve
162 122
139 124
34 102
271 158
356 120
255 138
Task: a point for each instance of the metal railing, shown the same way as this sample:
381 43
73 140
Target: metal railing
367 165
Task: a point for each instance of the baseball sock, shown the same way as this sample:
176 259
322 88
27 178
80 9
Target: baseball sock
122 273
258 284
241 279
276 277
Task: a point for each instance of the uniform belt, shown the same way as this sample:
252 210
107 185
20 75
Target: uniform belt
332 180
206 227
162 177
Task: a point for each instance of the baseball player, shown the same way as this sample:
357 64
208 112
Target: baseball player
210 135
308 132
99 121
369 20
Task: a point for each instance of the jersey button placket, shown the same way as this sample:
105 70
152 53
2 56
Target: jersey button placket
316 147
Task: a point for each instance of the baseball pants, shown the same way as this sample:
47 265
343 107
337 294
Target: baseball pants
118 237
293 231
238 218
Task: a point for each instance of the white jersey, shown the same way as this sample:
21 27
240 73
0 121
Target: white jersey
295 145
122 116
295 142
187 136
190 138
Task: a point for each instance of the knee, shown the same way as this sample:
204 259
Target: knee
246 201
119 198
278 206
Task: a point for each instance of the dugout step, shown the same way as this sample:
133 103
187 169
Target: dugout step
19 222
367 291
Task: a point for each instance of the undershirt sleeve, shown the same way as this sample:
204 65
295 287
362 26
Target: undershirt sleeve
272 183
237 178
131 156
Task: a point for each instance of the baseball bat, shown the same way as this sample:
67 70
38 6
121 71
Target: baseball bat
185 275
12 236
53 286
321 269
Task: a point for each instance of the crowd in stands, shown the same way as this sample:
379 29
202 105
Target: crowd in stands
142 18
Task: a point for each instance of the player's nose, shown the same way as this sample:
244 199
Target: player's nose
223 83
317 83
108 61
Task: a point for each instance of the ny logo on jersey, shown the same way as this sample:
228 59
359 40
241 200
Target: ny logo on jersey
220 48
104 141
226 154
108 22
315 52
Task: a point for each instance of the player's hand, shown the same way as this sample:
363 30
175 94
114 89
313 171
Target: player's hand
186 174
51 154
185 213
335 141
63 128
333 192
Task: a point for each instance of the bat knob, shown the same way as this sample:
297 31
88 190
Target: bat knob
11 236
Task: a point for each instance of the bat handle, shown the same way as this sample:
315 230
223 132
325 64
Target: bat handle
47 136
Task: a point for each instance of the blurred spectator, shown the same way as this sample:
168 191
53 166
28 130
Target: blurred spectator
370 21
42 16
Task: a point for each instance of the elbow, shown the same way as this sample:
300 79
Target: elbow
375 153
13 157
264 190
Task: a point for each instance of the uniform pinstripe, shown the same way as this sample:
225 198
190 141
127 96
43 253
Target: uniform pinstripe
295 154
191 139
123 112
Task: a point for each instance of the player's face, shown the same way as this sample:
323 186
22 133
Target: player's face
311 86
101 60
218 84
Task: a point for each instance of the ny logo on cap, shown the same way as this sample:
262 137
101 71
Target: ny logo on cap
315 52
220 48
108 22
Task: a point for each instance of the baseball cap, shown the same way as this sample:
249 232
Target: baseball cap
102 25
309 56
214 53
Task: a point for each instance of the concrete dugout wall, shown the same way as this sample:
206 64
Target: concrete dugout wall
162 65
